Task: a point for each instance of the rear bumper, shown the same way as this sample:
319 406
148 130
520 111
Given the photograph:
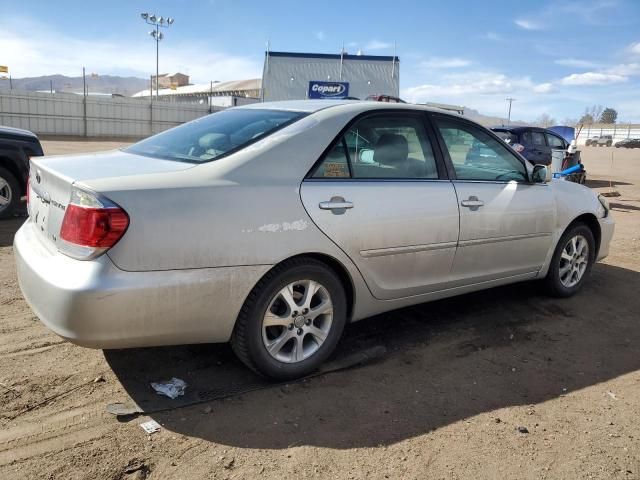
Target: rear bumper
97 305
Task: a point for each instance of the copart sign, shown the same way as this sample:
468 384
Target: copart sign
319 89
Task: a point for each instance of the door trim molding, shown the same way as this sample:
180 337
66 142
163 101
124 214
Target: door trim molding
483 241
380 252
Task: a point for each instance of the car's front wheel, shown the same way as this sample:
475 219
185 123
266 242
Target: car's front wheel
572 261
292 320
9 193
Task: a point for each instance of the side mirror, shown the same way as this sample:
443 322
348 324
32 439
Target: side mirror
541 174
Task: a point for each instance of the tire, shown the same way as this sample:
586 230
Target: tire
608 144
9 194
565 284
292 346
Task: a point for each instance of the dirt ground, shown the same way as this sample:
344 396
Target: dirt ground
506 383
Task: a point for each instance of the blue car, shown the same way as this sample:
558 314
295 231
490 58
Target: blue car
533 143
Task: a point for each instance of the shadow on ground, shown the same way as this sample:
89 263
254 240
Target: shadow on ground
8 229
447 360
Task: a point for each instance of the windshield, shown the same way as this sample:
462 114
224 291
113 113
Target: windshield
210 137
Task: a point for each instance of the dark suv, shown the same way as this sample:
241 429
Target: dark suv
533 143
16 146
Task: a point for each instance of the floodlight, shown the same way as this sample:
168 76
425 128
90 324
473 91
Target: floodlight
169 20
144 15
153 18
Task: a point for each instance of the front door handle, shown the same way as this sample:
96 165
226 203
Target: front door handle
472 203
337 205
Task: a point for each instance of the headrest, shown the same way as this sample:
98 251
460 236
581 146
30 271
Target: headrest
216 141
391 149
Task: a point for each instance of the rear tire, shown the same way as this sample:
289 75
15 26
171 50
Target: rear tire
572 261
9 194
281 332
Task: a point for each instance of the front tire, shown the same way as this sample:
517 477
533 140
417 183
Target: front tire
572 261
9 194
292 320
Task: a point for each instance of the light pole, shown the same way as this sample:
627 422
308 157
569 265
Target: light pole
510 100
157 22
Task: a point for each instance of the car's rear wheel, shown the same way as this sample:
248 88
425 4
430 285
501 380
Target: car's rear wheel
572 261
292 320
609 144
9 193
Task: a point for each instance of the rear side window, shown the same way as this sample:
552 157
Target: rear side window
383 147
210 137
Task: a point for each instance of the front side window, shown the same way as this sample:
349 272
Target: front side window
555 142
538 139
210 137
476 155
384 147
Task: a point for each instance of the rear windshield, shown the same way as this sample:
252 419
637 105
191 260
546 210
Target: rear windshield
215 135
508 137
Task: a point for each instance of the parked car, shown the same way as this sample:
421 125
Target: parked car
533 143
628 143
602 140
261 225
384 98
16 146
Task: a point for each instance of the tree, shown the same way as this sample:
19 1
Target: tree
586 118
545 121
608 115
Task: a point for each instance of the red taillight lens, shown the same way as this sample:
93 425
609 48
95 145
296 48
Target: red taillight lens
93 227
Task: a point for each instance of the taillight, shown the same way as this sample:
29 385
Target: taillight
91 225
517 147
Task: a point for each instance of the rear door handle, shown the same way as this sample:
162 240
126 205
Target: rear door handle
338 204
472 203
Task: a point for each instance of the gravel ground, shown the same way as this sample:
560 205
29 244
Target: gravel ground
506 383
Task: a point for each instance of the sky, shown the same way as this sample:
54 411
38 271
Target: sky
553 57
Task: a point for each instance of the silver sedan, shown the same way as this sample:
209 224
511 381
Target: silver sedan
273 225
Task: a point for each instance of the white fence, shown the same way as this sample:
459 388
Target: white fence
93 116
617 132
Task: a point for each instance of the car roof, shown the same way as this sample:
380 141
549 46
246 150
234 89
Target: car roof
312 106
17 132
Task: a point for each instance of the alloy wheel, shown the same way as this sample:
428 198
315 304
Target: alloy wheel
5 194
297 321
574 261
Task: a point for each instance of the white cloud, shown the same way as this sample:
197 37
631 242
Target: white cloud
592 78
634 48
625 69
442 62
320 35
470 83
574 62
377 45
527 24
45 51
544 88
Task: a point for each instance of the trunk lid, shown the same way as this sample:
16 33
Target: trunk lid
51 180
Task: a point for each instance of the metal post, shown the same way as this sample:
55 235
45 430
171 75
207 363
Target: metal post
50 86
510 100
84 101
210 93
10 83
157 60
151 105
